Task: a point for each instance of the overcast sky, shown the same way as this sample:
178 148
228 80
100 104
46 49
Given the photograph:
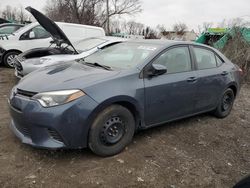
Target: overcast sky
169 12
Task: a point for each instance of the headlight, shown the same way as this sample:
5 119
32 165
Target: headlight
37 61
42 60
54 98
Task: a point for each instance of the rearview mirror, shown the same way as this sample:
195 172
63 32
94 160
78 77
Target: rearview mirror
32 35
156 70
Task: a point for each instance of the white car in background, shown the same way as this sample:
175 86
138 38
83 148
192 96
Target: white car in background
40 34
83 48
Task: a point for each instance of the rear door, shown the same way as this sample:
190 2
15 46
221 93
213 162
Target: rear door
210 78
171 95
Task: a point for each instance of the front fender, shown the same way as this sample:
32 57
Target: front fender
7 51
133 105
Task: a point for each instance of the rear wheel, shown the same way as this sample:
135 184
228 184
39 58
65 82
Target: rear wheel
8 59
111 131
226 104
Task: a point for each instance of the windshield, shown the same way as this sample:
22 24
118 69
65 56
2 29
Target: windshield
88 44
8 29
122 55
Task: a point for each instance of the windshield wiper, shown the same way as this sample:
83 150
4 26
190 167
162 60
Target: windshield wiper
98 65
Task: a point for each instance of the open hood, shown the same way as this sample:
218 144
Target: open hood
50 26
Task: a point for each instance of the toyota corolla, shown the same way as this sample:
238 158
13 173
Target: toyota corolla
100 101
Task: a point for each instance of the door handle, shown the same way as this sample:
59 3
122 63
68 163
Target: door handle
224 73
192 79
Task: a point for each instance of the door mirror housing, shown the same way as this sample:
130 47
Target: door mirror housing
32 35
156 70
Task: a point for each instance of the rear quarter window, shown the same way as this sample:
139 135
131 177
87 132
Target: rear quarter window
219 61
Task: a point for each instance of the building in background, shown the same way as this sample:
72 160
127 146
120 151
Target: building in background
127 36
173 35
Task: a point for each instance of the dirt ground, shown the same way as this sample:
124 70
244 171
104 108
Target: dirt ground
201 151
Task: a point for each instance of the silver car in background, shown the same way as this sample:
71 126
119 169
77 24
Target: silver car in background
84 48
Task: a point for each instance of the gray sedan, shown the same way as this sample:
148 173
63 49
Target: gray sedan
100 102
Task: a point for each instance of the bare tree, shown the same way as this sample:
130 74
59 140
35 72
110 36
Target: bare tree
237 22
150 33
180 28
116 26
92 12
76 11
131 27
14 14
237 49
204 27
7 13
162 30
21 15
134 28
121 7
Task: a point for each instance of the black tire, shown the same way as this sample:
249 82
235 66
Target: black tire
8 57
111 131
225 104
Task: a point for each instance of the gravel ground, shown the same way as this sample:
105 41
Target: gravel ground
201 151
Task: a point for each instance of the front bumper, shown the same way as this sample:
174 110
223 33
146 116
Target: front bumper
1 53
22 69
64 126
18 66
18 74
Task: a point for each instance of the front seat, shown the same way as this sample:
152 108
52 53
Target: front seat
181 63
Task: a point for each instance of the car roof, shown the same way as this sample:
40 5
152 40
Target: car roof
166 43
106 38
110 38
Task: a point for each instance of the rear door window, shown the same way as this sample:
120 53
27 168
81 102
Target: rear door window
40 32
205 59
219 61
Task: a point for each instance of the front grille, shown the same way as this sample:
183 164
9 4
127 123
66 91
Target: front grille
23 129
25 93
53 134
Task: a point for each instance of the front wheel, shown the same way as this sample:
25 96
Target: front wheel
111 131
8 59
226 104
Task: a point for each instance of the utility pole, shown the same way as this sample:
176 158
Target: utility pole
107 26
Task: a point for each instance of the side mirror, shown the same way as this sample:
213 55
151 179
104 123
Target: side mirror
156 70
32 35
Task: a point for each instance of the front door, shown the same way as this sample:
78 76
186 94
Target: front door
171 95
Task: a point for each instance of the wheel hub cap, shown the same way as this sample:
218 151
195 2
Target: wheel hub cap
113 131
227 102
10 60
